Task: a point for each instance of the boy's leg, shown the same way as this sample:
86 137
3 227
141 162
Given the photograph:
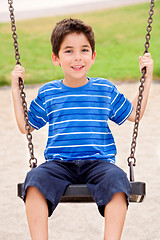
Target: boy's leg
110 189
43 188
115 213
37 214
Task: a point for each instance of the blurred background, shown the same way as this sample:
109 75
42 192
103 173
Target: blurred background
119 26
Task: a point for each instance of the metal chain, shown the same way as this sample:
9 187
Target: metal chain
131 159
32 160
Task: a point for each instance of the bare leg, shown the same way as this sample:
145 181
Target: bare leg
37 214
115 213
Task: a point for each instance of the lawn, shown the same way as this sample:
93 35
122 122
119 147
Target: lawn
120 37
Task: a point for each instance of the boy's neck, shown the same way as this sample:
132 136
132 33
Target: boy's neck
75 83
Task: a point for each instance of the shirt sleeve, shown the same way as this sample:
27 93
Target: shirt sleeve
37 114
121 107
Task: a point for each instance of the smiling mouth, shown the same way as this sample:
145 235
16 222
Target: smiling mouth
77 67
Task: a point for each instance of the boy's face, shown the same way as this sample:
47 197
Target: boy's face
75 57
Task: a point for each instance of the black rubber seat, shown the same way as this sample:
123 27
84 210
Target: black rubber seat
80 193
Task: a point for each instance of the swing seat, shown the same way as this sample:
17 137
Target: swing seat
80 193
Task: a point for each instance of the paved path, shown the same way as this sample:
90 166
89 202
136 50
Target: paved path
26 9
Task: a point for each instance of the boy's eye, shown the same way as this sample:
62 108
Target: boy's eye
85 50
68 51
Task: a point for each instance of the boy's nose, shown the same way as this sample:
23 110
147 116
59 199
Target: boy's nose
77 56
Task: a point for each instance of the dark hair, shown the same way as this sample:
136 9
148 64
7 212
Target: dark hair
67 26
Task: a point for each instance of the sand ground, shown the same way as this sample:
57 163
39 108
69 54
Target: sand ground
81 221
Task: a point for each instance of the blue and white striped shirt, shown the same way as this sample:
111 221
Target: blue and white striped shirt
78 119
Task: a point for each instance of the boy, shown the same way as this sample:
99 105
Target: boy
80 147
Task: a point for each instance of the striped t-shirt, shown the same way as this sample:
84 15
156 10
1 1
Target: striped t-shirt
78 119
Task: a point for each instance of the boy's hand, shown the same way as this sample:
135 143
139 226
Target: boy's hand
17 73
146 61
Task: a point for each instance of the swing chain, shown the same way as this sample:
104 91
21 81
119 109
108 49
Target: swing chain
131 159
33 160
13 28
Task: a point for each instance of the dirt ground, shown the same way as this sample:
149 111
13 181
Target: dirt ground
81 221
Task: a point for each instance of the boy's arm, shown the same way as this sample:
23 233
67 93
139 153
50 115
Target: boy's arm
17 101
145 61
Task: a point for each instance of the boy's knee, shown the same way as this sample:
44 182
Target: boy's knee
119 197
31 191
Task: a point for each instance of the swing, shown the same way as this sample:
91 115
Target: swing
80 192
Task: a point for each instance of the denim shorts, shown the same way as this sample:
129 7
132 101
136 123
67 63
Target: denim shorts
103 179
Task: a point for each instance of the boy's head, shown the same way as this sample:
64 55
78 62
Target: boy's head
68 26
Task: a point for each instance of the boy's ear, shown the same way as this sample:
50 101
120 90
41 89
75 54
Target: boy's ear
55 60
93 57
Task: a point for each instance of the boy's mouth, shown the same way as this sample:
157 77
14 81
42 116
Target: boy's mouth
77 67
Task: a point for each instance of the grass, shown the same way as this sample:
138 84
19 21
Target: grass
120 37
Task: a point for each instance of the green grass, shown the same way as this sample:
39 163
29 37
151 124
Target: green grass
120 37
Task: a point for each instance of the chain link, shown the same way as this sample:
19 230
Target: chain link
33 160
131 159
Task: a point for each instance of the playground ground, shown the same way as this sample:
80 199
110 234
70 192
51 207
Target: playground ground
81 221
